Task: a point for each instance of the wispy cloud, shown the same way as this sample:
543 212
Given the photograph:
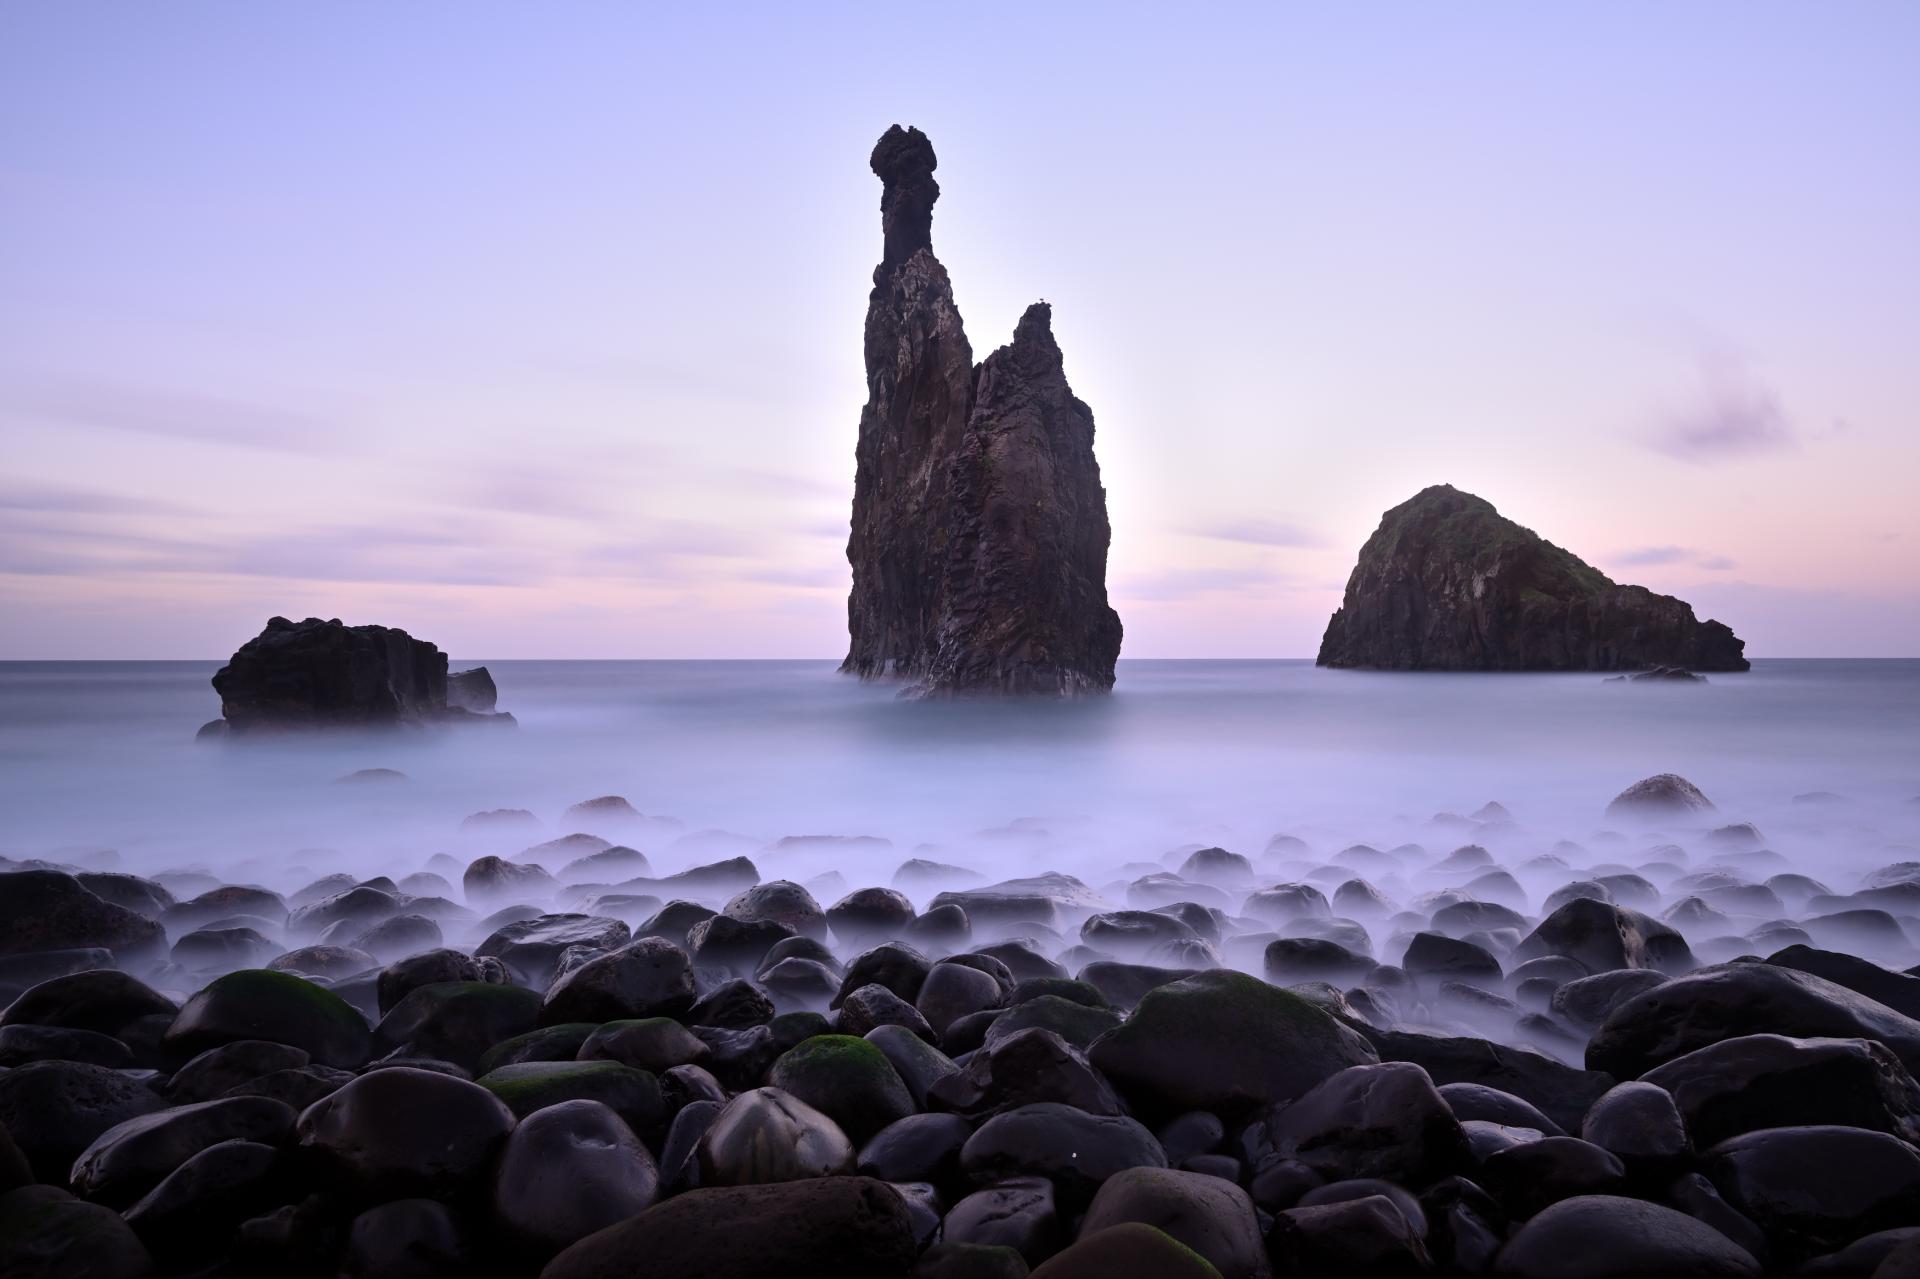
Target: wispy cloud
1187 583
1734 415
169 414
1258 532
1654 555
1646 556
54 500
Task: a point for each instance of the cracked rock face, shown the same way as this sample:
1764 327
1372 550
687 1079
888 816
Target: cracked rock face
980 532
1448 584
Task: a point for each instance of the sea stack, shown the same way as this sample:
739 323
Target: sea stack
1446 583
325 674
979 539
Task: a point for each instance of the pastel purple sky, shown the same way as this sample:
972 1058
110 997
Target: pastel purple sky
535 329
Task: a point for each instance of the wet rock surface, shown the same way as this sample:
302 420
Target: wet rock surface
1510 1056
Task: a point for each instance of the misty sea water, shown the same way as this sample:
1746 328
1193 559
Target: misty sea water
741 753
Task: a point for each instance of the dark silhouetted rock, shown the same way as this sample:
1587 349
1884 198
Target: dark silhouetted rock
51 910
255 1003
99 999
766 1135
45 1233
568 1170
530 1086
473 690
1816 1188
406 1239
1130 1250
1730 1000
980 533
1071 1148
1771 1081
650 977
1608 1237
1662 795
1562 1093
317 674
1386 1121
1605 937
132 1157
847 1227
399 1133
55 1109
1213 1217
456 1021
1447 583
1365 1236
1224 1041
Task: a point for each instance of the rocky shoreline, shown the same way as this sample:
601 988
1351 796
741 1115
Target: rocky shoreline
1662 1051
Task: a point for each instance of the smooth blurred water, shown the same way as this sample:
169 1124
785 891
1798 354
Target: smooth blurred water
1227 752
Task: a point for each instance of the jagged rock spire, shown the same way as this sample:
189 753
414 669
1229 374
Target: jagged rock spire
979 539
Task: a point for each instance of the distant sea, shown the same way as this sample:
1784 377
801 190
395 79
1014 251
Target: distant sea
1230 752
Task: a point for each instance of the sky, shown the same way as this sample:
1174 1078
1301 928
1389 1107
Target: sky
536 330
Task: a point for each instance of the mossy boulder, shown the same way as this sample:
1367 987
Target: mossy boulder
548 1043
632 1094
1225 1042
847 1079
1130 1250
257 1003
1074 1022
457 1021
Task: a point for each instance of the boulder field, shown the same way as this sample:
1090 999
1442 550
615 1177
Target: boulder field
1669 1057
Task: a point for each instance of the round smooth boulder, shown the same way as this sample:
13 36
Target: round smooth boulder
51 910
1771 1081
650 977
1608 1237
45 1233
568 1170
456 1021
766 1135
256 1003
1225 1042
1726 1001
847 1079
1820 1186
1212 1216
403 1133
531 1086
55 1109
847 1227
1071 1148
129 1159
1130 1250
1385 1120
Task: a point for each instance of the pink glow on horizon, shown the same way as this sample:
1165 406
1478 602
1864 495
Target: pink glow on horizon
575 371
